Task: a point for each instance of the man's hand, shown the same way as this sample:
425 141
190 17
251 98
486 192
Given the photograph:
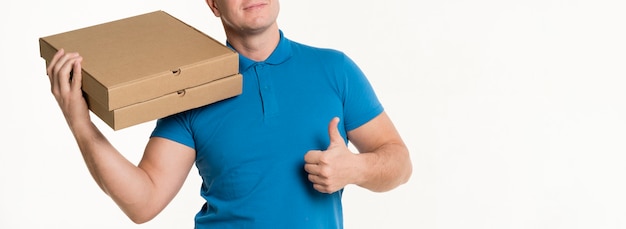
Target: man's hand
64 72
332 169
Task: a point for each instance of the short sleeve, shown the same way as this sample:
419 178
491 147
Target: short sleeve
360 101
176 128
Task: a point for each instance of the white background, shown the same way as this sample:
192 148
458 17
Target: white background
513 111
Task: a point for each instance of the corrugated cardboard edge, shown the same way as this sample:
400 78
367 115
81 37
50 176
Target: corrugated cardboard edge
169 104
211 67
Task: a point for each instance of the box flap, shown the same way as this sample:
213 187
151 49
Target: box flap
168 104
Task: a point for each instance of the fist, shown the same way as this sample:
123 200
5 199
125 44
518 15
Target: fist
332 169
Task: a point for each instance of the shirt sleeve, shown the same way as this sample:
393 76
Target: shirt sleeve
175 128
360 101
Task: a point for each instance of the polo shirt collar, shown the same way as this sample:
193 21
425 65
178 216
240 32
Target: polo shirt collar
281 54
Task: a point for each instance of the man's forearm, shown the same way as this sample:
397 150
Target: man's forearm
128 185
385 168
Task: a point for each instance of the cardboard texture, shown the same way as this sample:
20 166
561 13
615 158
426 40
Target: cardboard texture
168 104
133 68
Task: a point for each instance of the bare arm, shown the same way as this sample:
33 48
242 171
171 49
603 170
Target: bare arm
382 164
140 191
384 158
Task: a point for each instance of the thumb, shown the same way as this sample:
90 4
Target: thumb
333 133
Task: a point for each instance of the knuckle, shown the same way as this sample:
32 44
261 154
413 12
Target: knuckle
324 158
325 171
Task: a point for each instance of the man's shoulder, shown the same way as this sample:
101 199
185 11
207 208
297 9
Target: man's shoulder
316 49
322 52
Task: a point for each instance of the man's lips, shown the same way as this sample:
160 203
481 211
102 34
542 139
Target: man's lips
254 6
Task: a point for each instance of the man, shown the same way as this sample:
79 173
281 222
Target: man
274 156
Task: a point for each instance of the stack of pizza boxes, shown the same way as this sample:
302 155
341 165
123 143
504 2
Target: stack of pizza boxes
146 67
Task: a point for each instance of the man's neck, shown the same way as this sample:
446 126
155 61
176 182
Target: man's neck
255 46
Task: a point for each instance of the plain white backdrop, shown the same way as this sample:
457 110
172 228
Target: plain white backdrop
514 111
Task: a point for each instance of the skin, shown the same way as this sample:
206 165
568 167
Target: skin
250 26
144 190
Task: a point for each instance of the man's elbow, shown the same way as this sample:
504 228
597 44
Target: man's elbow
141 219
407 172
139 216
402 176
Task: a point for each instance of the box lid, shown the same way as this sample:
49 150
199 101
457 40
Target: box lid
142 57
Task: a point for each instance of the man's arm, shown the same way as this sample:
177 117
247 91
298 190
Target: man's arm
140 191
384 158
382 164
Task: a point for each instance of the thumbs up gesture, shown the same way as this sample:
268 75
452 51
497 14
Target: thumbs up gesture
332 169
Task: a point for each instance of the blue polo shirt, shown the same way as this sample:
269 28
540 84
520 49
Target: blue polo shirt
250 148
